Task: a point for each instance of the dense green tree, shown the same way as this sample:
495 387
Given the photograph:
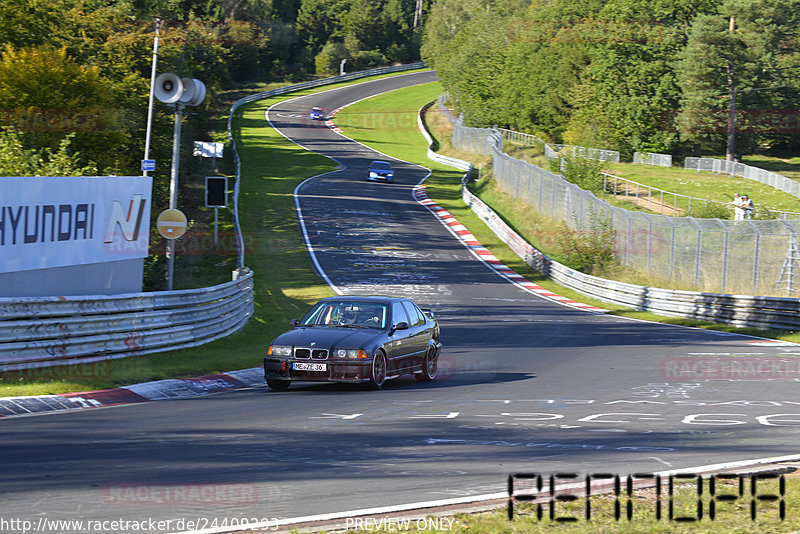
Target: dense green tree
628 91
47 95
328 60
366 23
445 21
548 53
737 65
318 21
466 43
620 74
29 22
17 160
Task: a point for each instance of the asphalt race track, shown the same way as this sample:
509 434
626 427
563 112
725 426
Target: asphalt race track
526 385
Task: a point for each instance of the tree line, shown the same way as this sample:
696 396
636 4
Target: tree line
668 76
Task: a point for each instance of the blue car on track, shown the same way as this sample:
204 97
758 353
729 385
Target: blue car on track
316 114
381 171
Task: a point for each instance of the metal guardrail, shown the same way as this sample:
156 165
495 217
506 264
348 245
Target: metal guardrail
45 331
737 310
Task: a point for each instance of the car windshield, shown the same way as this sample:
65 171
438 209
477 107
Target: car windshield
381 165
353 313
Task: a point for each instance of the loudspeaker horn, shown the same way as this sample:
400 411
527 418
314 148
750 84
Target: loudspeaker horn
188 90
169 88
194 92
199 93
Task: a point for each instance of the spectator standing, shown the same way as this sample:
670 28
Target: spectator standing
738 209
747 207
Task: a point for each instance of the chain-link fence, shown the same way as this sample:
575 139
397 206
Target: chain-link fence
650 158
735 168
757 257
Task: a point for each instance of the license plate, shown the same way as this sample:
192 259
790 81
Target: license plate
301 366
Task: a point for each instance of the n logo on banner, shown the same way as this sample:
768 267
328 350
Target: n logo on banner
129 222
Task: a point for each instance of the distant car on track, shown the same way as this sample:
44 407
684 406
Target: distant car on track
316 114
381 171
354 339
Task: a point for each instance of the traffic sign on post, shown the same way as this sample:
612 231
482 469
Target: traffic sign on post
171 224
148 165
216 192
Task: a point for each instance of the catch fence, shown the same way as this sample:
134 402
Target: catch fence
756 257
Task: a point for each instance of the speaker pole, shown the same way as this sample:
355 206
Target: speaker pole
173 187
157 24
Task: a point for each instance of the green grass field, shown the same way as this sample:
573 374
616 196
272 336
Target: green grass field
705 185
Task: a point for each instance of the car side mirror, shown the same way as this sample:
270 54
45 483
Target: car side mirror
402 325
294 322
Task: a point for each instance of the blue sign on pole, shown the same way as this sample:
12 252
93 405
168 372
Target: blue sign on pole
148 164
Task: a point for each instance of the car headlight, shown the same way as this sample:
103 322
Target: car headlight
351 353
275 350
373 174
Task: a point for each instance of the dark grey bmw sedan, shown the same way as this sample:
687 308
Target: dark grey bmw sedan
356 339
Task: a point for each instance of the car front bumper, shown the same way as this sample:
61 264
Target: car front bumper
335 371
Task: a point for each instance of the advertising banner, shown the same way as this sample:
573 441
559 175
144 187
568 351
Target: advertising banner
50 222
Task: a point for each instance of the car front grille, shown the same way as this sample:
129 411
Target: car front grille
314 354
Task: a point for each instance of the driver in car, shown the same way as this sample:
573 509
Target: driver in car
348 317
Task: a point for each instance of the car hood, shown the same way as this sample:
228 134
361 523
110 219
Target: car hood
328 337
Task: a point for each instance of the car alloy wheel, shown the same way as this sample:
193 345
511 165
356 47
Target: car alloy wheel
378 375
429 367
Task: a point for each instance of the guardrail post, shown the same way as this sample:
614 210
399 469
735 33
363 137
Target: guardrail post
649 244
699 251
672 246
725 251
630 239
